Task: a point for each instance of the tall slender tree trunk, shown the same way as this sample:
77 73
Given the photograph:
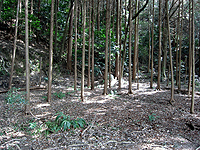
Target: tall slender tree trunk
89 45
93 28
27 109
106 50
75 47
98 15
14 49
159 43
152 46
83 52
170 54
1 3
109 70
51 52
130 48
190 50
149 28
164 66
56 26
69 53
136 42
65 31
193 60
120 47
180 45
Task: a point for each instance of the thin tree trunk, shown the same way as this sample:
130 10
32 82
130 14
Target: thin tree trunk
190 50
98 15
83 52
170 55
40 77
152 46
89 45
56 26
120 45
106 48
27 109
50 52
69 53
1 3
65 31
14 49
149 22
93 28
130 48
159 43
180 45
75 47
110 52
136 42
193 60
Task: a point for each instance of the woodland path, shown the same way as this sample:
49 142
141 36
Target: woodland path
142 120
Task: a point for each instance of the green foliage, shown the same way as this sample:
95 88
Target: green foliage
59 95
63 122
153 117
15 97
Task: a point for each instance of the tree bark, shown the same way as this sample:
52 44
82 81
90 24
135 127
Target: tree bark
93 28
69 53
75 46
89 45
193 60
136 42
130 48
83 52
27 107
159 43
106 48
152 46
14 49
51 52
180 45
170 54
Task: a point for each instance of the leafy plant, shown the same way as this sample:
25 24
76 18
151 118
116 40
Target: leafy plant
60 95
153 117
15 97
63 122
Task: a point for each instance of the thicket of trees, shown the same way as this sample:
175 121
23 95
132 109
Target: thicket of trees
100 37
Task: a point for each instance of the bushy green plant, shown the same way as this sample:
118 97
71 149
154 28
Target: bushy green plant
15 97
59 95
153 117
63 122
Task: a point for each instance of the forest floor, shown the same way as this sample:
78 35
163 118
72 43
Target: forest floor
142 120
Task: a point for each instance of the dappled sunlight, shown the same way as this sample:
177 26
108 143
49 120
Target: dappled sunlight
43 105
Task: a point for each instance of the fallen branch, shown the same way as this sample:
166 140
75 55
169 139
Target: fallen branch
23 89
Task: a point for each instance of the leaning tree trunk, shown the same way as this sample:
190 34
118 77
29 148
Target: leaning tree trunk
14 49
